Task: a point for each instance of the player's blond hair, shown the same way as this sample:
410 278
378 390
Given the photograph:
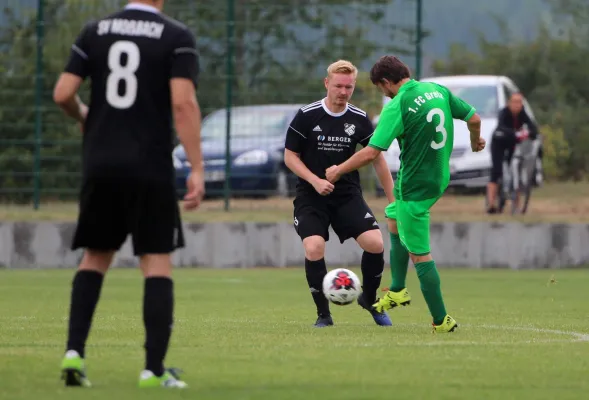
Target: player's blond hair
342 67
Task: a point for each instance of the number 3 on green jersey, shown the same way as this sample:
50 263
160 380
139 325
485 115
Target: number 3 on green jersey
439 127
421 118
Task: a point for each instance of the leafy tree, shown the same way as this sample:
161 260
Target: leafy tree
280 55
550 72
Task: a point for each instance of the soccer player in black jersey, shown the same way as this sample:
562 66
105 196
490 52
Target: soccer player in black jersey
143 67
323 134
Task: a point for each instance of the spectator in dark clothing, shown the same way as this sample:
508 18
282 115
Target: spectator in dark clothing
514 125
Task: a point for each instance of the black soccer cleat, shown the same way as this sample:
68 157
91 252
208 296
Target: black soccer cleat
323 321
380 318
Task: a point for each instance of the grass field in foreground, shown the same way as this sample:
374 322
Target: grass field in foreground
246 334
553 202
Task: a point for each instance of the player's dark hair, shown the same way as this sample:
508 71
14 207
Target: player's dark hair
390 68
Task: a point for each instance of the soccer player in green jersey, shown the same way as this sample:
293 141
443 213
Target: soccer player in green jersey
420 116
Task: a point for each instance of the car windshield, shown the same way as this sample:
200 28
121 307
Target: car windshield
247 123
482 98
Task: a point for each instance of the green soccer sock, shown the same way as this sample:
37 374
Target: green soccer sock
399 259
431 289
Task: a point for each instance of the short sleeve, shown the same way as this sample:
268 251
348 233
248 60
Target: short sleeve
296 135
185 58
366 131
460 109
79 61
390 126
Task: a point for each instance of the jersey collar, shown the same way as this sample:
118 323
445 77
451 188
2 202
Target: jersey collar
142 7
339 114
407 85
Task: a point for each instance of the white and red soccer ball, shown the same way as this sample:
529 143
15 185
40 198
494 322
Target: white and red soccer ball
341 286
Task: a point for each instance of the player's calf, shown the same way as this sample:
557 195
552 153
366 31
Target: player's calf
158 309
372 264
315 271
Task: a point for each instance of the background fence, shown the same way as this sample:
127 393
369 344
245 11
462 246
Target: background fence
275 52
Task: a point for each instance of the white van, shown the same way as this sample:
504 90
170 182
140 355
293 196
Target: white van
488 94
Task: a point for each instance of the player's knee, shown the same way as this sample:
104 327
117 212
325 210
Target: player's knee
314 248
371 241
416 259
156 265
392 225
96 260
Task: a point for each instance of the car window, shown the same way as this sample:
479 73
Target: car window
251 122
483 98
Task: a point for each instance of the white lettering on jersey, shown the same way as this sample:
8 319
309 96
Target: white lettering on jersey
130 27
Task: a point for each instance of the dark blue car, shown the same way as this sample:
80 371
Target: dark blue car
257 152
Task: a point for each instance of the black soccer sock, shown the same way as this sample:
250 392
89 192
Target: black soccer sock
372 267
85 294
316 271
158 317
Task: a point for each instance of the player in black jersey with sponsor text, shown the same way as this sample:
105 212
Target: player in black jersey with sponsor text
323 134
143 68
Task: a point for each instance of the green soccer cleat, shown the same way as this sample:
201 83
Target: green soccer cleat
169 379
392 300
73 371
449 324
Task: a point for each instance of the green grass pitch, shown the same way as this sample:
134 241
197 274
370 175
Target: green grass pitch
247 334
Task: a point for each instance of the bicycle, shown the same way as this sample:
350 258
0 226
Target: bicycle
518 178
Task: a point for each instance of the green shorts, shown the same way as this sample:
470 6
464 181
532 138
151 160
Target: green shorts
413 223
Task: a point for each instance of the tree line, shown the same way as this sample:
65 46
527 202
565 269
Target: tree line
280 53
551 72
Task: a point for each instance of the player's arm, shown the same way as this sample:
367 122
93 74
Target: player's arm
465 112
390 126
187 120
295 141
477 143
66 97
380 164
384 176
293 162
68 84
186 111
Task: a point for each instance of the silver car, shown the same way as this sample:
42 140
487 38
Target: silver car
488 94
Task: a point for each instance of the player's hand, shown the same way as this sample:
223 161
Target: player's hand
332 174
478 146
83 109
196 190
522 135
323 187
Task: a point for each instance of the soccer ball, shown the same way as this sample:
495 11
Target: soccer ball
341 286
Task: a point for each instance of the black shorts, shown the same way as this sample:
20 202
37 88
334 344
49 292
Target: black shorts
111 209
349 216
502 146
